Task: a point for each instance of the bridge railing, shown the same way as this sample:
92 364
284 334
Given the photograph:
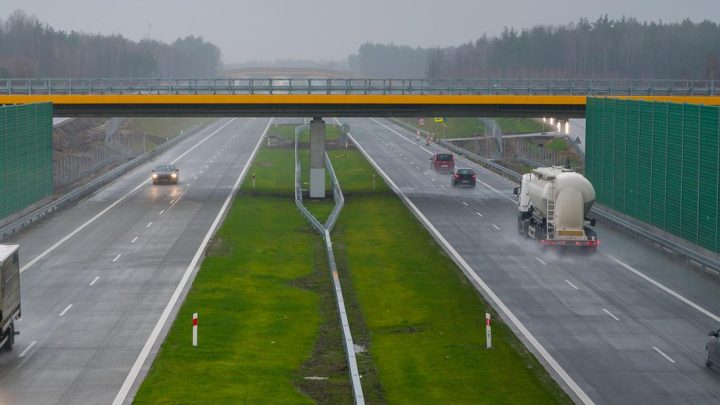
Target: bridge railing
580 87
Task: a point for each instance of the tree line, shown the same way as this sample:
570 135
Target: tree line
604 49
29 48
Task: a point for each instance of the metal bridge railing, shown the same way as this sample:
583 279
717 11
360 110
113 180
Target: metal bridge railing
579 87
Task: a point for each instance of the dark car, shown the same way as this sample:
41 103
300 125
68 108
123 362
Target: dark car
166 174
712 349
463 177
443 162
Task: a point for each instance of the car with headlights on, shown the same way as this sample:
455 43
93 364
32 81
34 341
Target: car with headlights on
166 173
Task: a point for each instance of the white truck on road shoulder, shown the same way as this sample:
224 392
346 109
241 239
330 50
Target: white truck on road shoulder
9 294
553 203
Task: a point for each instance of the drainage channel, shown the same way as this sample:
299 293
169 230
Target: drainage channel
324 230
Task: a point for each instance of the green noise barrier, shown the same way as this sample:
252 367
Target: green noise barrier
26 170
658 163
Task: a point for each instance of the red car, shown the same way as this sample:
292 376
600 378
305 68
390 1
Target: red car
443 162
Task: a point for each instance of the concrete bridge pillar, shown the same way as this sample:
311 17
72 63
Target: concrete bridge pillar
317 158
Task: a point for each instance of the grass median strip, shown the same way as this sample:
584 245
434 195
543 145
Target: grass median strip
268 324
424 319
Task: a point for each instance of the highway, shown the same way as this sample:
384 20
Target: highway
627 325
100 279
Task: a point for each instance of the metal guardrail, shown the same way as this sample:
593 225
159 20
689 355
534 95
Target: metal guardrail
580 87
88 188
325 232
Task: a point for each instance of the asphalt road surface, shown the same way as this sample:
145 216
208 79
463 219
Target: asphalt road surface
626 325
99 279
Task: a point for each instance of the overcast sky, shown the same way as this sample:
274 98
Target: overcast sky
332 29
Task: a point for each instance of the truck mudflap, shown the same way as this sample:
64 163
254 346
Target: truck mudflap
578 243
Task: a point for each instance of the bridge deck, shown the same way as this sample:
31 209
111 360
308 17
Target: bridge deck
294 105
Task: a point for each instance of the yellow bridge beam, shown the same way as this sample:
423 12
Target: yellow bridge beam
324 104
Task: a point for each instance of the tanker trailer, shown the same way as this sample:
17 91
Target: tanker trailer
553 204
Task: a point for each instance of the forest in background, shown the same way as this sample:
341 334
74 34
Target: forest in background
29 48
603 49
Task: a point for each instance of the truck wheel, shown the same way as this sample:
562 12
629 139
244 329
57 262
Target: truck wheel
10 338
708 362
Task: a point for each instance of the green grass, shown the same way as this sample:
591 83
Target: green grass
261 310
521 125
165 127
452 127
425 320
557 145
287 131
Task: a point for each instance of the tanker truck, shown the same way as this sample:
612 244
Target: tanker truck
9 294
553 204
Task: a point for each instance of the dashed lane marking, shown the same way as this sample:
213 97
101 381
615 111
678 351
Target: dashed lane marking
64 311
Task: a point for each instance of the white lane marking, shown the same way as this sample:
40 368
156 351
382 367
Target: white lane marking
469 272
666 289
109 207
92 283
148 225
116 258
172 201
67 308
188 185
161 212
541 261
134 240
432 178
611 314
442 185
496 227
401 136
571 284
27 349
194 177
135 370
668 358
478 214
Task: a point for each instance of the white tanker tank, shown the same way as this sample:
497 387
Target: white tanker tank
553 204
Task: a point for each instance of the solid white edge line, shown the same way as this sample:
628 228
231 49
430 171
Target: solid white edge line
571 284
668 358
108 208
509 315
92 283
27 349
67 308
541 261
135 370
116 258
611 315
666 289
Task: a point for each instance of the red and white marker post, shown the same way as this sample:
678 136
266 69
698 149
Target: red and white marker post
488 332
195 326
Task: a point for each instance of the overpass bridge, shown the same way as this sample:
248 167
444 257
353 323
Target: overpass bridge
340 97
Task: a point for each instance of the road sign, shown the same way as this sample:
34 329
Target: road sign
438 119
421 121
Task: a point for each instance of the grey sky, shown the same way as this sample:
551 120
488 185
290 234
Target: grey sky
332 29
